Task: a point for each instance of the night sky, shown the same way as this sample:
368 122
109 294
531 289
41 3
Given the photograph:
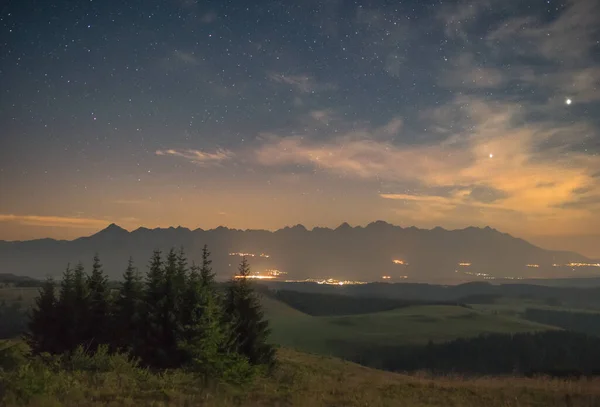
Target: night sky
262 114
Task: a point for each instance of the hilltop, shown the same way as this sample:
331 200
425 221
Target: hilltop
300 379
346 252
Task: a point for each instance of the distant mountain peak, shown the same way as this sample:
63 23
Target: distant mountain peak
344 226
379 224
299 227
113 228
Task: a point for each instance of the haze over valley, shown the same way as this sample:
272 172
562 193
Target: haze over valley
378 251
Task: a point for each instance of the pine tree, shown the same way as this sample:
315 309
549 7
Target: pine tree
207 276
152 335
65 321
203 342
249 330
182 269
170 316
127 314
98 318
80 304
42 329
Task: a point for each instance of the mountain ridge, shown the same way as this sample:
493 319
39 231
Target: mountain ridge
363 253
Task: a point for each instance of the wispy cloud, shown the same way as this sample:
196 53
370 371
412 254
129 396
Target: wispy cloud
492 163
463 71
208 17
458 17
54 221
186 57
302 83
568 39
198 157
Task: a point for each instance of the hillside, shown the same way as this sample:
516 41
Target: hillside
299 380
345 336
363 253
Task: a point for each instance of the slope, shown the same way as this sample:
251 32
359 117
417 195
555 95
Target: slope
299 380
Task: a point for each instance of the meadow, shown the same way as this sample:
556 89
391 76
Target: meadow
310 368
414 325
299 379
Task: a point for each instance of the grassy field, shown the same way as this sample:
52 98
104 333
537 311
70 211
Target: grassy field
299 380
516 306
403 326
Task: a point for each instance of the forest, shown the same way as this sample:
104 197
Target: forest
551 353
173 317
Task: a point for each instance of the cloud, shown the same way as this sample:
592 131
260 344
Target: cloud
54 221
208 17
198 157
492 161
568 39
466 72
302 83
459 17
186 57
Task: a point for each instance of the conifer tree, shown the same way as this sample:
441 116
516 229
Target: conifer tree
182 269
170 311
203 343
98 317
80 304
152 310
65 321
127 314
207 276
249 330
42 329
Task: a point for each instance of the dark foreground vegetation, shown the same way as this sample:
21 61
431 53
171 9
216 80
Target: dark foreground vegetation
174 317
298 379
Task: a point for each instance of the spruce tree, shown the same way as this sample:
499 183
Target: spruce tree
65 319
98 317
152 307
182 269
207 276
42 329
80 304
203 342
128 311
170 316
249 330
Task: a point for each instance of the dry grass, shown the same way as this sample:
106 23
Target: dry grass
310 380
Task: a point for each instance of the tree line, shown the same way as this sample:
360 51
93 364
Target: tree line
556 353
585 322
173 316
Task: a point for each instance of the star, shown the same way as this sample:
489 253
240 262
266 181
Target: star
491 155
568 101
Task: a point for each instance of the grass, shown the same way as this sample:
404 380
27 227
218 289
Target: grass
404 326
299 380
517 306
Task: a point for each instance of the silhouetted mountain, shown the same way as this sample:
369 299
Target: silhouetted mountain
346 252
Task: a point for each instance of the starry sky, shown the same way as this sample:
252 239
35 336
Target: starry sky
270 113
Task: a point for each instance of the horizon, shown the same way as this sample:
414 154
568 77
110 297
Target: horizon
310 228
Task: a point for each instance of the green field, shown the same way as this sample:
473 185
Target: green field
329 335
516 306
404 326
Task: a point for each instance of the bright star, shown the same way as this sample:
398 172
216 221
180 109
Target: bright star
491 155
568 101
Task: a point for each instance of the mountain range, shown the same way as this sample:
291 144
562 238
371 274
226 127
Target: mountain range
346 253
